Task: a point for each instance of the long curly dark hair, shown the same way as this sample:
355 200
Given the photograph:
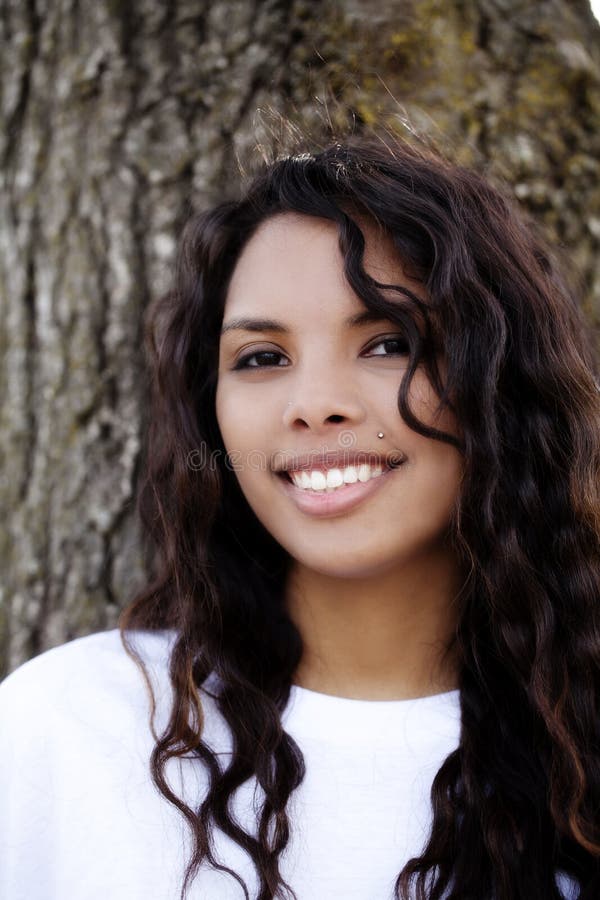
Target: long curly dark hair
519 800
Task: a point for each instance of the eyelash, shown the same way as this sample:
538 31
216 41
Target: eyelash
242 363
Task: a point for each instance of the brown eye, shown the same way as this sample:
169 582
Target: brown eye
393 346
268 358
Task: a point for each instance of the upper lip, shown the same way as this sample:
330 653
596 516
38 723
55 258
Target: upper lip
338 459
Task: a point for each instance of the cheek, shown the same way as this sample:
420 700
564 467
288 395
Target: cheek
242 431
440 465
424 403
223 415
441 476
234 418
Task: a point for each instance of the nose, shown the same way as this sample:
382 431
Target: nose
320 401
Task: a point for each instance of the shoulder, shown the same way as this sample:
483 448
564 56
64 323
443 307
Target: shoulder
87 666
76 743
91 650
93 685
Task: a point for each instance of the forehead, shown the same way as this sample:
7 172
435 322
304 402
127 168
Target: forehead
295 261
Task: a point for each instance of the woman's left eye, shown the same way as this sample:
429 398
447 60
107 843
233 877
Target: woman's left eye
264 359
394 346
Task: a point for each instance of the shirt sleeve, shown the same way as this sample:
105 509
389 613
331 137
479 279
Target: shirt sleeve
26 790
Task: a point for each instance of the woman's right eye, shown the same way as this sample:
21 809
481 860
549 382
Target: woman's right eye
266 355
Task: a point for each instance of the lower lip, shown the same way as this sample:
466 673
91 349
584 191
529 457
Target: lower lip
332 503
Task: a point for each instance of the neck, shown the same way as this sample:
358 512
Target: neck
385 637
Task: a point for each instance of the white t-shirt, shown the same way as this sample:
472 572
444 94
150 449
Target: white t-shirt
80 818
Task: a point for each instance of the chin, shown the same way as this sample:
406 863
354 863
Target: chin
335 563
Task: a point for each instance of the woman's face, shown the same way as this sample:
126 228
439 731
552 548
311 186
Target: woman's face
301 387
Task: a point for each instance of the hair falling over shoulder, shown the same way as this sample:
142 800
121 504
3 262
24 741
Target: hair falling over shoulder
519 799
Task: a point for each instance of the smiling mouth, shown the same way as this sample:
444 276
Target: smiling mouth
325 501
333 479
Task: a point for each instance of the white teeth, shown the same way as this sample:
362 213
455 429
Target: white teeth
318 481
333 479
305 480
298 479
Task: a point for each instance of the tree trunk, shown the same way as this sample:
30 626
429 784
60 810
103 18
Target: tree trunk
117 117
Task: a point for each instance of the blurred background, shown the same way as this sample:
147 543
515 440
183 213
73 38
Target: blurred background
119 118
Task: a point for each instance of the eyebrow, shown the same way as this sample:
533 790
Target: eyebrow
366 317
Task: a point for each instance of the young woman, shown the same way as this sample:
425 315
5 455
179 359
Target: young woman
371 635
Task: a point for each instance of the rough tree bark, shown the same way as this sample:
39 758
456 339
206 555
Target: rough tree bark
117 116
